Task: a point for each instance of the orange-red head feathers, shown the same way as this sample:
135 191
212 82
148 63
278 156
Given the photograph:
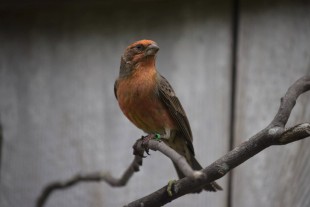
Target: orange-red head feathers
137 54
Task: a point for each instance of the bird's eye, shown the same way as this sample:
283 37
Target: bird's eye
139 47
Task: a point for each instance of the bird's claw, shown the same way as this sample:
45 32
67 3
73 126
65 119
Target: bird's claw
137 149
147 151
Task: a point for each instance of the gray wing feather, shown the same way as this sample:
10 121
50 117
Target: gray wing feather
176 110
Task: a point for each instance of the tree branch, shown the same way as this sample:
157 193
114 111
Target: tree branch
91 177
122 181
288 101
273 134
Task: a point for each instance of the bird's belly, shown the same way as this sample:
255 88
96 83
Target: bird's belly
147 112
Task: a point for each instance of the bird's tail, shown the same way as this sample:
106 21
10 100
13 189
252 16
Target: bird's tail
213 186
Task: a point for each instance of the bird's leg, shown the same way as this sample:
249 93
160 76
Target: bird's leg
145 141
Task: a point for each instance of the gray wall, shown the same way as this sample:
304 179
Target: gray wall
59 114
274 51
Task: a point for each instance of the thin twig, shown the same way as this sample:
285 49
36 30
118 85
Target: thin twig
91 177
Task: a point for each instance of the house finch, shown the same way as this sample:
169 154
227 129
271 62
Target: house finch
149 102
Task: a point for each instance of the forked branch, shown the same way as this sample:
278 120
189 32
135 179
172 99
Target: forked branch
274 134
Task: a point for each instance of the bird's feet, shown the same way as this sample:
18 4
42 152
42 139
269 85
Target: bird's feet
146 139
143 143
138 149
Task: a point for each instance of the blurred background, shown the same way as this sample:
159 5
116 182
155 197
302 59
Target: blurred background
228 61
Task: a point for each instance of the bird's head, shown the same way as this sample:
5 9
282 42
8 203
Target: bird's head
138 53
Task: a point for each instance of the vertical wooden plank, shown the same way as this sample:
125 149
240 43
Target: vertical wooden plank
274 51
60 115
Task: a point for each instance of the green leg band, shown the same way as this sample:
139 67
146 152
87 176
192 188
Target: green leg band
157 137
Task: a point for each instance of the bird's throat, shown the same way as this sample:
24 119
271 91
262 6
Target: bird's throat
147 63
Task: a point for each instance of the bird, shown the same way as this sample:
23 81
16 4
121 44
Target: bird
147 99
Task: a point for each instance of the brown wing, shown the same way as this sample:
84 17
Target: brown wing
123 72
176 110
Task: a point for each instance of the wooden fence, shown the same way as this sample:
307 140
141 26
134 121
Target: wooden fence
229 62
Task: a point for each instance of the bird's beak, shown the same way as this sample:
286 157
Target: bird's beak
152 49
